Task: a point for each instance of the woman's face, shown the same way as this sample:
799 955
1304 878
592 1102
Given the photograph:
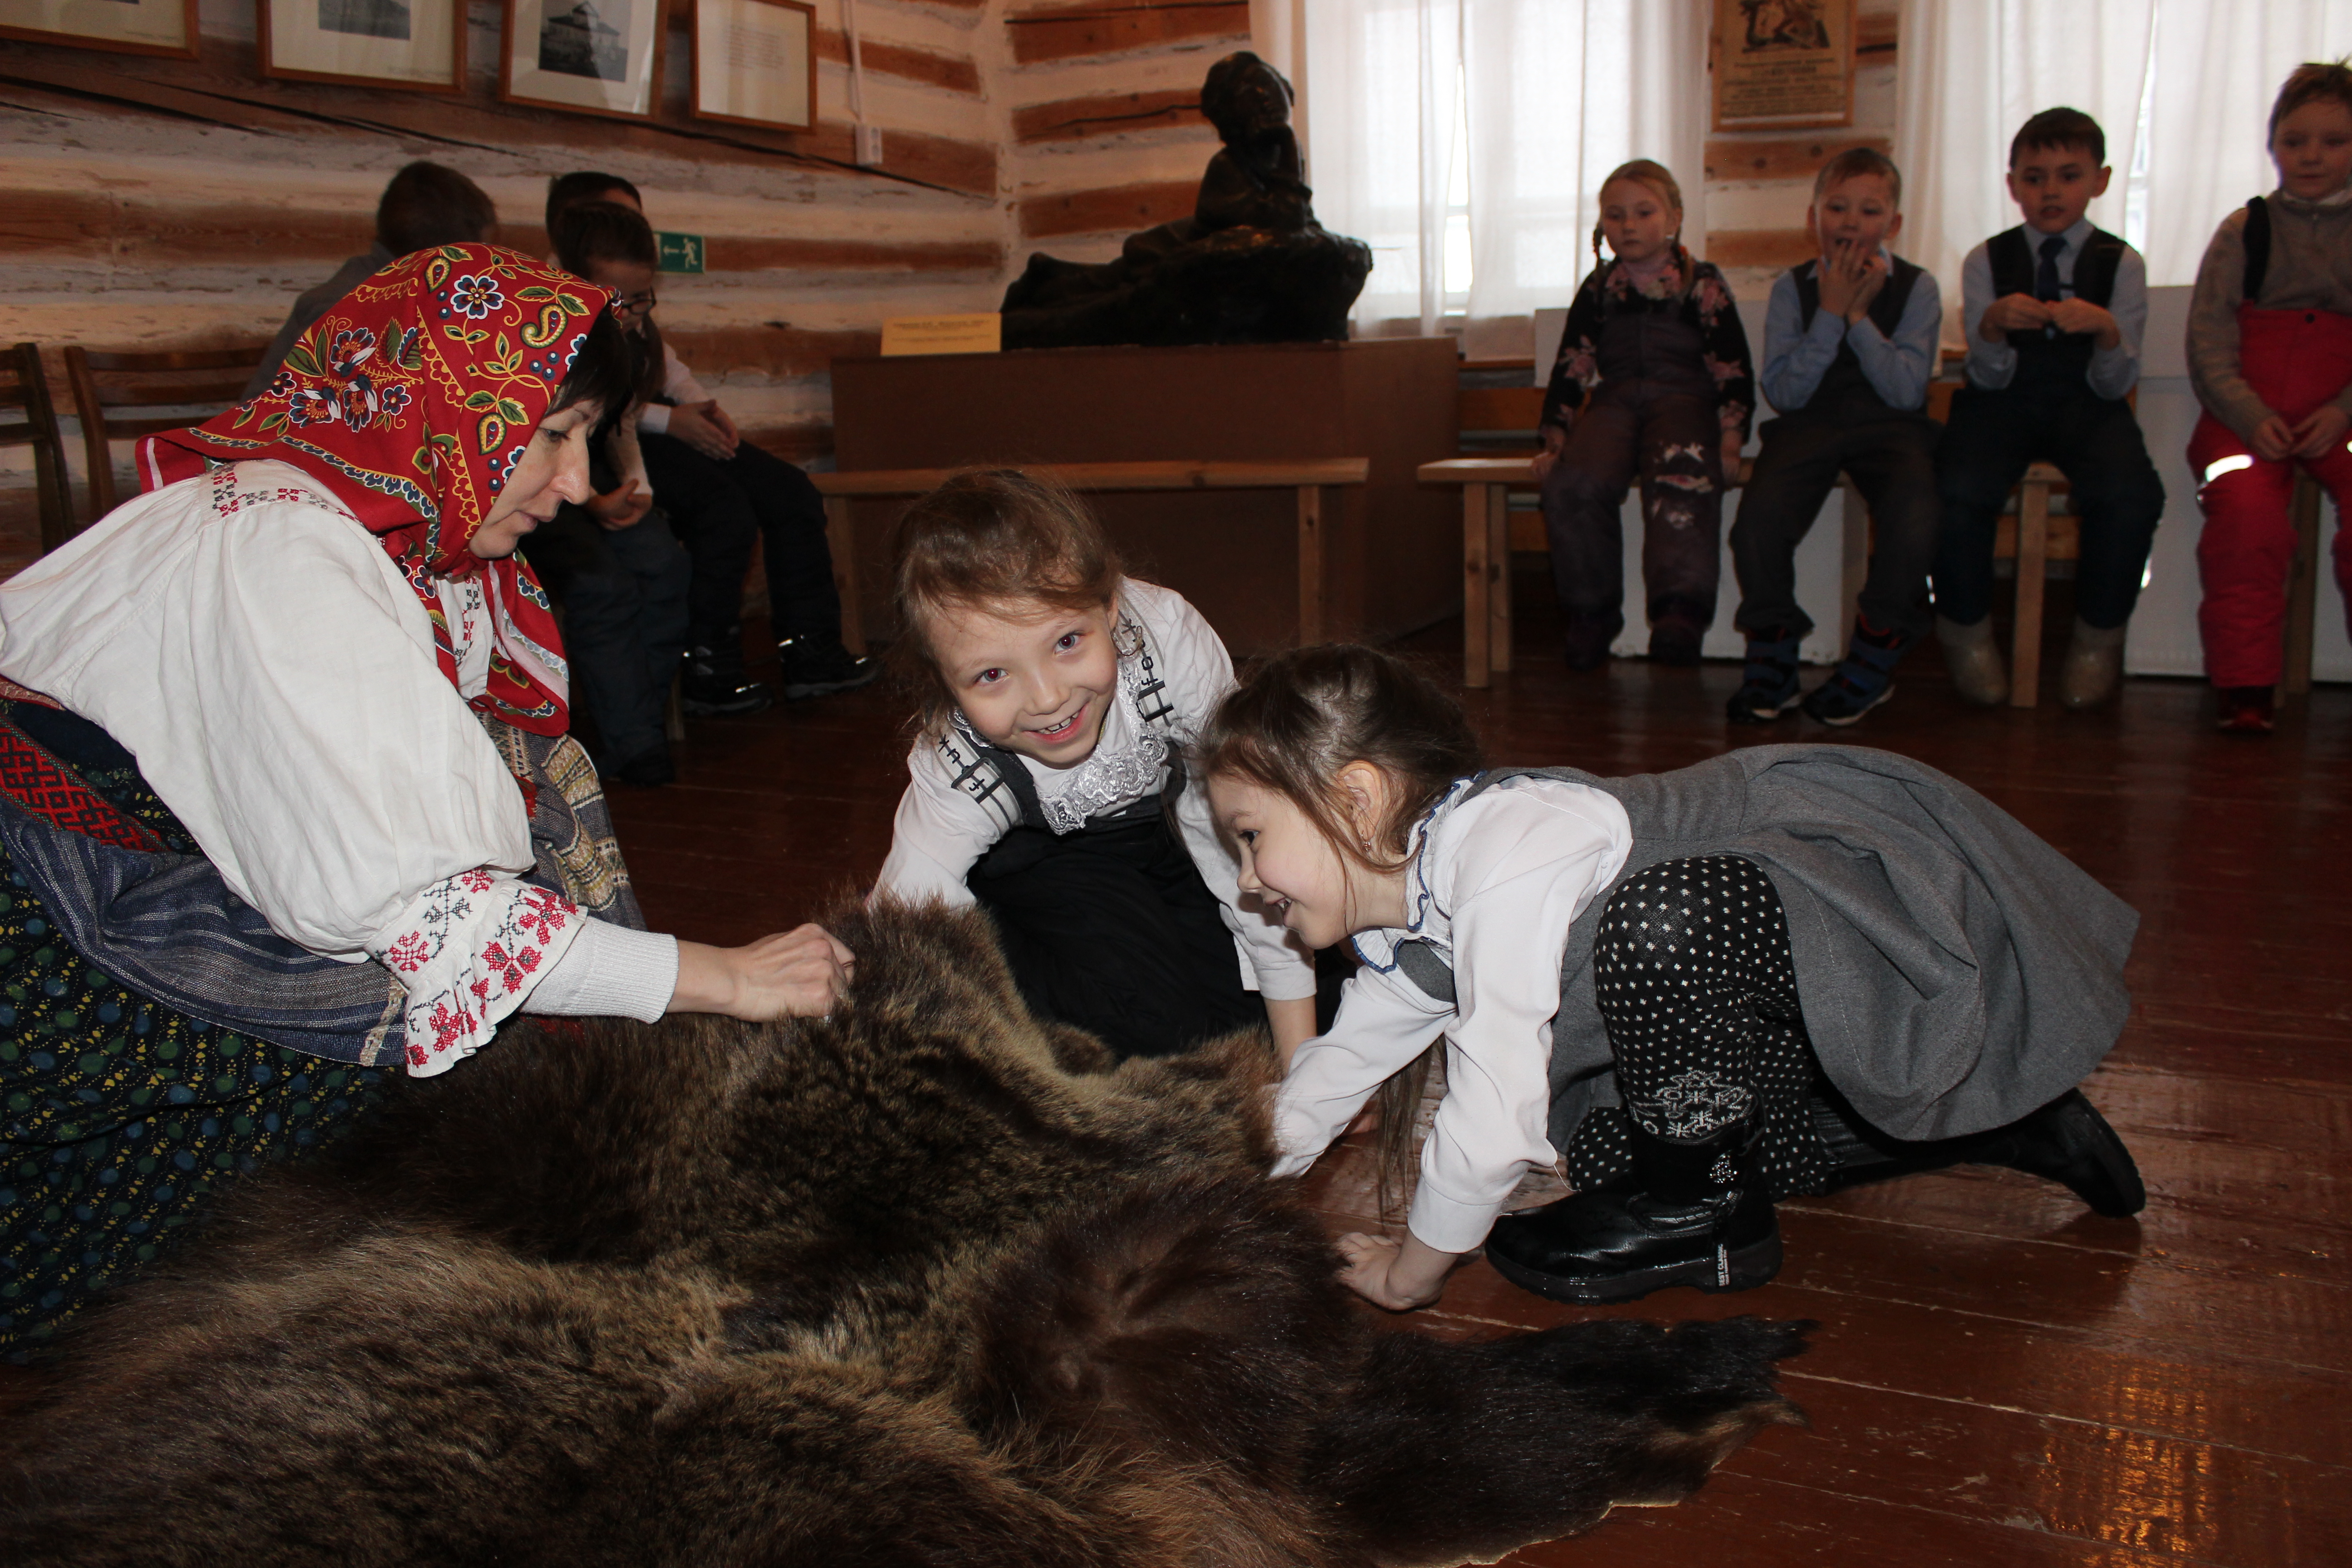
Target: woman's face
2312 149
1032 678
1638 222
553 470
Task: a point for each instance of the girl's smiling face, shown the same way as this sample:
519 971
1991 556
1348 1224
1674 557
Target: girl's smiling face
1032 678
1298 873
2312 149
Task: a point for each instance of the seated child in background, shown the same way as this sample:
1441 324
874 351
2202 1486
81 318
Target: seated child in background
1652 379
611 559
723 493
1849 346
2270 352
424 205
1057 695
2054 310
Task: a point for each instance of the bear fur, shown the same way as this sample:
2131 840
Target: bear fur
924 1283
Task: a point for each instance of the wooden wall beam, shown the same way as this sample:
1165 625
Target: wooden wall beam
1072 32
1123 208
777 351
1782 157
957 73
1759 246
1077 119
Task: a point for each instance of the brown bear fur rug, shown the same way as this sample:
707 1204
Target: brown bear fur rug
926 1283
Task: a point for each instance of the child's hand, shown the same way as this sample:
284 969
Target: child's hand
2273 440
2013 314
1555 442
1732 442
2080 317
2322 433
1837 275
1869 277
1397 1273
705 428
624 507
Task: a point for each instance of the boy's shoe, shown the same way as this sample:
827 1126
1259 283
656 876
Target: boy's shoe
713 683
2247 711
2094 667
1589 637
647 770
1864 679
1768 686
814 669
1677 630
1974 659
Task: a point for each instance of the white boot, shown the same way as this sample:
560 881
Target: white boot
1974 660
2095 663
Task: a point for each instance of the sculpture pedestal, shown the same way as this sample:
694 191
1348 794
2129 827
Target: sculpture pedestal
1390 560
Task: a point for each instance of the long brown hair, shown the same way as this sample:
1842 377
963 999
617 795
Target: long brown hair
994 539
1289 727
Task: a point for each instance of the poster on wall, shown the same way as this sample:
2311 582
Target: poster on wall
593 56
1783 63
415 44
755 62
128 27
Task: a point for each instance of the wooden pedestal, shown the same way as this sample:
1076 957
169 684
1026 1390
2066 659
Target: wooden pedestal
1390 552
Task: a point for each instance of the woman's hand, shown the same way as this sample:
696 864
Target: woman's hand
792 975
622 508
2322 433
1398 1273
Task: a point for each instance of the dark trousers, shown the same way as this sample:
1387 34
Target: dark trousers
2115 491
623 598
1113 930
1892 461
719 508
1673 443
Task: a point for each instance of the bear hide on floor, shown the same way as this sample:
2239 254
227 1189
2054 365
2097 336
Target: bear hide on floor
924 1283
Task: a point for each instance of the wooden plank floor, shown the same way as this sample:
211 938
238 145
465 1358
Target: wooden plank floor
2000 1377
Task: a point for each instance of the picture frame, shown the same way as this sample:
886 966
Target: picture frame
1783 65
589 57
755 63
165 27
413 45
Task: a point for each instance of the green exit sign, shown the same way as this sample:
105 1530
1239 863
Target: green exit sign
680 252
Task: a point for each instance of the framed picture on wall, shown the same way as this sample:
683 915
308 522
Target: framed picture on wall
1783 63
592 56
415 44
755 62
128 27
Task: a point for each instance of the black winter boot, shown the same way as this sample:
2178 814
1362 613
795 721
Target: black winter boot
2067 1142
1691 1213
715 682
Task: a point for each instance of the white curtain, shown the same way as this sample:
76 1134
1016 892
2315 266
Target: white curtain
1971 74
1518 107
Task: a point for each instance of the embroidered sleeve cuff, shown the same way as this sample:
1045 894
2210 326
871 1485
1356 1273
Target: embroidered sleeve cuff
610 971
468 949
1449 1225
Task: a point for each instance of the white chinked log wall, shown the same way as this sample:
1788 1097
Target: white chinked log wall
175 204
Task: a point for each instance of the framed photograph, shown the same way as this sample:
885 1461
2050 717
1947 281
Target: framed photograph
755 62
415 44
1783 63
127 26
592 56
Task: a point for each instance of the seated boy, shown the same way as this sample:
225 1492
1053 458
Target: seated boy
722 492
1849 345
2053 310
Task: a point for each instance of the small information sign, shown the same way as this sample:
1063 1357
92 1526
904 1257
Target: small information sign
980 333
680 252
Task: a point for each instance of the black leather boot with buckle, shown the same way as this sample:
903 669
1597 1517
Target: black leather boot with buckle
1691 1213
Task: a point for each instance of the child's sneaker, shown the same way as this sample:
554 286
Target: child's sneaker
1863 680
2247 711
1768 686
814 669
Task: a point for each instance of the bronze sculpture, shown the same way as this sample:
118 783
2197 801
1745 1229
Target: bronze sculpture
1251 264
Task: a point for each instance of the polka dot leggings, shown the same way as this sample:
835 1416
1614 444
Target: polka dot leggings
1698 989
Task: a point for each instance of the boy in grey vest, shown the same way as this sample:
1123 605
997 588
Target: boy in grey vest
1849 345
2054 310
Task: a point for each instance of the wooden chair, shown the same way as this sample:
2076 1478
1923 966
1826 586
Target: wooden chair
24 387
110 388
2303 587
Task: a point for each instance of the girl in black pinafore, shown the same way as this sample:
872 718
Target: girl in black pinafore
1652 380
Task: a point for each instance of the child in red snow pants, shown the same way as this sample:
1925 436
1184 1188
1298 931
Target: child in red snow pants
2297 359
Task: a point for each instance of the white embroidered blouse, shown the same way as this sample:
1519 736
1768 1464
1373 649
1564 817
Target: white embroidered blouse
940 832
260 655
1494 885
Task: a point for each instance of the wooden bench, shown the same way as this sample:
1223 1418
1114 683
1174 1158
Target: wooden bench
1307 477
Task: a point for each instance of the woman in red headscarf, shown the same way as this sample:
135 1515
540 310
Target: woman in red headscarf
285 786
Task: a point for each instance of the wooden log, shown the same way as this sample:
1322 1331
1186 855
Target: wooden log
1120 209
1076 119
1759 246
1779 157
1073 31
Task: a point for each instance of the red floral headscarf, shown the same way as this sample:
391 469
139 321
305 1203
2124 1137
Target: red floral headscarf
412 400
